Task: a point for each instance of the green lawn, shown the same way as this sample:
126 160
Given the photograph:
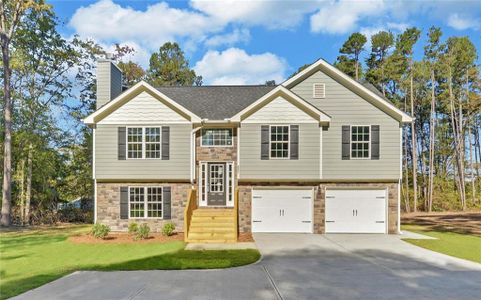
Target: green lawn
466 246
32 258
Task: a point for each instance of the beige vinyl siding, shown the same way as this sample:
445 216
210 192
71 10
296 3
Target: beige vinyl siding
280 110
307 167
109 82
347 108
107 165
143 109
103 83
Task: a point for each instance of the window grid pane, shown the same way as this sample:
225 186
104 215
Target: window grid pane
137 202
360 141
279 141
216 178
134 142
154 202
217 137
152 142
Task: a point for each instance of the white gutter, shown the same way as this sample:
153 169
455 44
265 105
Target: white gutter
192 153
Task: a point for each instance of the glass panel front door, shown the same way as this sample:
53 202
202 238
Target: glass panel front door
216 184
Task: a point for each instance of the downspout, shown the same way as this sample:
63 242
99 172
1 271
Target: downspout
93 175
400 179
192 156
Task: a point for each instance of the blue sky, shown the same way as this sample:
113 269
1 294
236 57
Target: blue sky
249 42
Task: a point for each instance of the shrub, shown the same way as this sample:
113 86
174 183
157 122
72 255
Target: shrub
100 231
133 227
168 229
142 232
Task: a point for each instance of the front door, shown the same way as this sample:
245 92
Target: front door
216 179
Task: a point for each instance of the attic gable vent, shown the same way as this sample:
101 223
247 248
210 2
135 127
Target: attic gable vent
318 90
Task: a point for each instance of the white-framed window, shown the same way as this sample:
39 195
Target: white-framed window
136 202
145 202
318 90
279 141
143 142
152 142
135 142
360 141
217 137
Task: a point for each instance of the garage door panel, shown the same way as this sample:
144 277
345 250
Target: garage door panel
355 211
282 210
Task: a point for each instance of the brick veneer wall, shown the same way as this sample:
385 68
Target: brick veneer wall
108 206
216 153
245 196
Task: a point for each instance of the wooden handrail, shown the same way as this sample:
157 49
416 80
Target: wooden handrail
189 208
236 212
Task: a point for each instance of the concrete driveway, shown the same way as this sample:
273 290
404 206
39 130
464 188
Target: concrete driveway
294 266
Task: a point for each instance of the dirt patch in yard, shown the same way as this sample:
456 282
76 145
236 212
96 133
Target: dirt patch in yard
459 222
125 238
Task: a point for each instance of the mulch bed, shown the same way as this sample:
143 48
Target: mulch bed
245 238
458 222
125 238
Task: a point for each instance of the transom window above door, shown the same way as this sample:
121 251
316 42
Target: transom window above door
360 141
279 141
217 137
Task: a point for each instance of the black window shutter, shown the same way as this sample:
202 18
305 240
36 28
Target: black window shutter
165 142
374 141
265 142
294 141
124 202
346 142
166 202
121 143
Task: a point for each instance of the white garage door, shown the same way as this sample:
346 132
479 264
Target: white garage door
355 211
282 210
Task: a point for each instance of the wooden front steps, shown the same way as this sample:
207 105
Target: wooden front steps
213 225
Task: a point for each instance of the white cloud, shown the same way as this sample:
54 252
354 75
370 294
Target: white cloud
342 16
270 14
235 66
110 22
400 27
236 36
459 22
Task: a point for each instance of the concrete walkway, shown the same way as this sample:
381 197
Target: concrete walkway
294 266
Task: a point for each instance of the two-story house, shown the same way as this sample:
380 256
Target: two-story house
319 153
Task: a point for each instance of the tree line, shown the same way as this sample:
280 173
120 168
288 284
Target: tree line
442 91
49 87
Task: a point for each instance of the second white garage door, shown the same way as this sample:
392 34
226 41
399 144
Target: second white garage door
282 210
355 211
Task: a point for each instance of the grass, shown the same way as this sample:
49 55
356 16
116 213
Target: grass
32 258
465 246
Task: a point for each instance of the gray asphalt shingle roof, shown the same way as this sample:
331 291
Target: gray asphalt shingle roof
215 102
